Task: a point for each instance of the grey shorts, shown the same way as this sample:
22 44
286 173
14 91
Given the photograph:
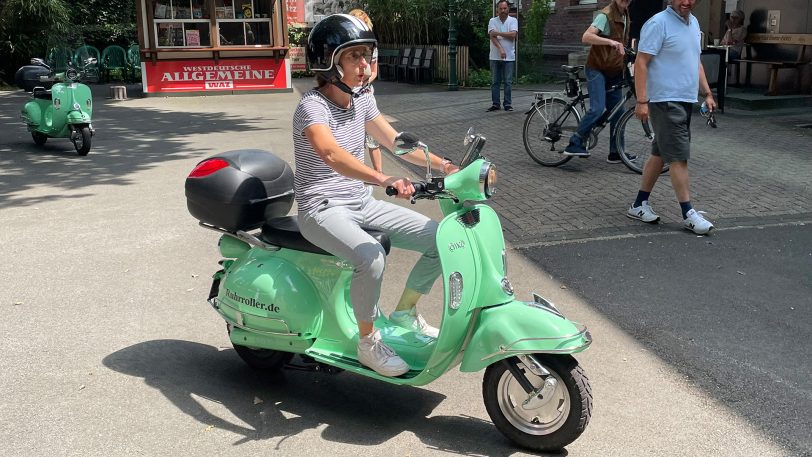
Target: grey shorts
671 122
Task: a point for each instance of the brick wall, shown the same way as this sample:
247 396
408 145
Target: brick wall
569 21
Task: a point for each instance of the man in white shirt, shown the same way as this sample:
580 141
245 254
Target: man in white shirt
502 30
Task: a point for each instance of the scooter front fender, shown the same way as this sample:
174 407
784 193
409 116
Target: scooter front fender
78 117
521 328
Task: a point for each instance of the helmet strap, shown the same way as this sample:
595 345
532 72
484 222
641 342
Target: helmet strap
336 81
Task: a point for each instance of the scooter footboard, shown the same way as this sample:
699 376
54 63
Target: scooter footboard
521 328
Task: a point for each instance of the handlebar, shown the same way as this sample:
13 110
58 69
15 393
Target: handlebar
419 188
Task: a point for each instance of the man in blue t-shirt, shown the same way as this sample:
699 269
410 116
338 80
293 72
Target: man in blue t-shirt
668 75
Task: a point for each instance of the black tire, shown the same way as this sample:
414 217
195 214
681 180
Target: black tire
39 138
266 360
557 420
633 141
544 139
82 144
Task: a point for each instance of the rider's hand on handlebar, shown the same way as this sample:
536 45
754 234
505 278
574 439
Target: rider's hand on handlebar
449 168
402 185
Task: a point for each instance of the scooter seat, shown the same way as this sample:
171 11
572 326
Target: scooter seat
42 93
284 232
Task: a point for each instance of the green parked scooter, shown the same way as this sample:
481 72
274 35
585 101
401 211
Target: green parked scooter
64 111
281 295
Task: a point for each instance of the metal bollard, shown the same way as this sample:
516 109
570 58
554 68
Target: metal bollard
118 92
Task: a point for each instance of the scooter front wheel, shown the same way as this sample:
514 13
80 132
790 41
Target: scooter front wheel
82 142
553 414
39 138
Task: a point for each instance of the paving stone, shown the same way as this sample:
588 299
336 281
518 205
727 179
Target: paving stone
752 166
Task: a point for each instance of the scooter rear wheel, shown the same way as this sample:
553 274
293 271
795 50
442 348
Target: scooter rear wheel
553 418
82 144
266 360
39 138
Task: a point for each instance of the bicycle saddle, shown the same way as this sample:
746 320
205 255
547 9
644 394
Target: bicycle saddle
572 68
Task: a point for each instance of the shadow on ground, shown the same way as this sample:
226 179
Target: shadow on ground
128 140
356 410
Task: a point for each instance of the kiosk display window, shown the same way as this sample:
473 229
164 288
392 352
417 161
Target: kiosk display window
182 23
188 23
244 22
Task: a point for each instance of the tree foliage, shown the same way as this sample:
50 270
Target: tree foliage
423 22
28 28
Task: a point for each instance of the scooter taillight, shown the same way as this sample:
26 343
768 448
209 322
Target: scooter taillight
208 167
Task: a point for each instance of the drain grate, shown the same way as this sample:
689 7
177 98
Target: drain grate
804 126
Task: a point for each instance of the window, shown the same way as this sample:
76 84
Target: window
182 23
207 23
244 22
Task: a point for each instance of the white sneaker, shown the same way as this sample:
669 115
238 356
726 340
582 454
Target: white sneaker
696 223
414 322
375 354
643 213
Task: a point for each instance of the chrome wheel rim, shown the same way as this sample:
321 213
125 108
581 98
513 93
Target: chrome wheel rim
538 416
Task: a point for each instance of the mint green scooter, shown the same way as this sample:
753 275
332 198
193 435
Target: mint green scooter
281 295
64 111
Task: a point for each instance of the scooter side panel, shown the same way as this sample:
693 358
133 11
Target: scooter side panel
271 293
32 114
521 328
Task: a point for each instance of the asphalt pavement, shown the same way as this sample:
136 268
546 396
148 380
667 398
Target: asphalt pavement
701 343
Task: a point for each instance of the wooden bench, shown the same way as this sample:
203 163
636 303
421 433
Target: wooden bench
754 39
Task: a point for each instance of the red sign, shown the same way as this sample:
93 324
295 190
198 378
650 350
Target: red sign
295 11
226 74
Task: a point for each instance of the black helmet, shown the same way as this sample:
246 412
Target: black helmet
331 35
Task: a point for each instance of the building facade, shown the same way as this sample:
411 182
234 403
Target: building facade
570 18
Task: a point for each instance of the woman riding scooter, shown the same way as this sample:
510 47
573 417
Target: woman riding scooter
335 206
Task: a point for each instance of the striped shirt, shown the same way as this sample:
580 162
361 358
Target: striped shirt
314 180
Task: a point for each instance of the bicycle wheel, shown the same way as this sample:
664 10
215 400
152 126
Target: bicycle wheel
547 130
634 142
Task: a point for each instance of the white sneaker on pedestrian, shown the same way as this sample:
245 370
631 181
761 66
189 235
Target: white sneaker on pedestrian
643 213
412 321
375 354
696 223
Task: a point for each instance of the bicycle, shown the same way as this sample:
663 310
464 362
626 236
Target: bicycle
559 119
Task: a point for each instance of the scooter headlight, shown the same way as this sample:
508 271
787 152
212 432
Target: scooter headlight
487 179
455 290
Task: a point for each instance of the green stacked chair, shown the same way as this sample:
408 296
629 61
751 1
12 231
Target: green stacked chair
114 57
134 61
58 58
83 53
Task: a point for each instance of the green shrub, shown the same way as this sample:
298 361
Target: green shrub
479 78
